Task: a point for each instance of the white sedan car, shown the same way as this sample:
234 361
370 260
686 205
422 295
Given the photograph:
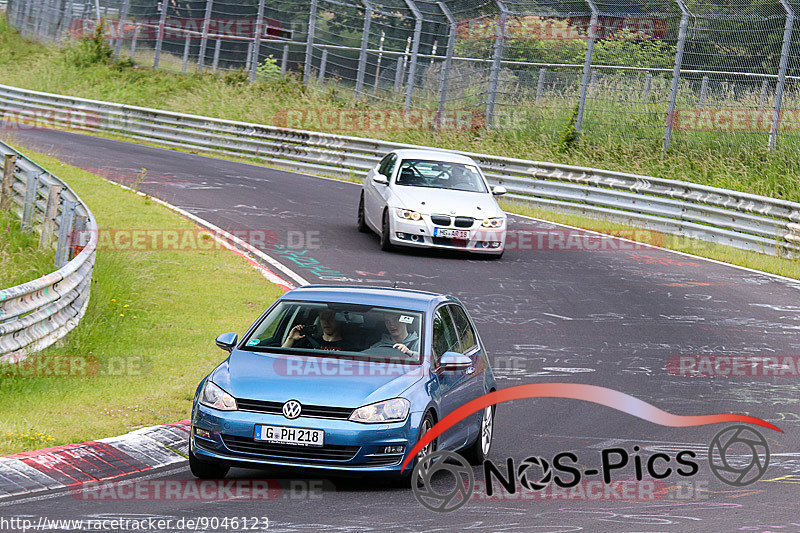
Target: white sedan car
432 199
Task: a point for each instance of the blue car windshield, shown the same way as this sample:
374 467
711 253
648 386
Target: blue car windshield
347 331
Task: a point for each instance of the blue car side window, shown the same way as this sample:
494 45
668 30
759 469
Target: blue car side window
445 338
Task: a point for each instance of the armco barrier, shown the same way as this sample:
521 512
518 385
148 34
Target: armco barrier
36 314
742 220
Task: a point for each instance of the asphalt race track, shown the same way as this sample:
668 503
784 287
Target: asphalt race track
609 317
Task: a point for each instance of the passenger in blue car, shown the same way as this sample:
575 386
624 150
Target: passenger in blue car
398 336
331 338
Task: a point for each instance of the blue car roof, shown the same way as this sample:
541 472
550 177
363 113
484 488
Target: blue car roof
376 296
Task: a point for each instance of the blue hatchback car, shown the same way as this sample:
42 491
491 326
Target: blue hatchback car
343 378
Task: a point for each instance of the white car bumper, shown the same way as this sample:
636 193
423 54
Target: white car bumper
420 233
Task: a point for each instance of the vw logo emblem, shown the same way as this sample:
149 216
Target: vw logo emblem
291 409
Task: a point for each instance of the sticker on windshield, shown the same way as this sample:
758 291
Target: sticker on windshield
405 319
253 342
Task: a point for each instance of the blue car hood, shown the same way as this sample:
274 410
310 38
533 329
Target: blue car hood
313 380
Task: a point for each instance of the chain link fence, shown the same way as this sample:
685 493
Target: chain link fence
669 72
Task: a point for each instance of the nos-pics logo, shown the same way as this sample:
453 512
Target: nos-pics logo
738 456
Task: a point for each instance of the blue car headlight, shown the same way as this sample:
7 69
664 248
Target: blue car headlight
395 410
216 398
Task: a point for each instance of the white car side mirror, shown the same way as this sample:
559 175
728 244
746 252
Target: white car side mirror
499 190
380 178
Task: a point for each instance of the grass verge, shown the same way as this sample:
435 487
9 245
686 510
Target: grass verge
147 337
20 257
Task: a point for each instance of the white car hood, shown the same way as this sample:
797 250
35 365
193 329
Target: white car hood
427 201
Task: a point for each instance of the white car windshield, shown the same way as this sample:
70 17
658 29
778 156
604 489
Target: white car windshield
440 175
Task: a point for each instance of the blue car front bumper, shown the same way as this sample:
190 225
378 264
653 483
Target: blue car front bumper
348 446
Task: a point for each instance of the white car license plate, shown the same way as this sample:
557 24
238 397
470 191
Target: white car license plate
451 233
287 435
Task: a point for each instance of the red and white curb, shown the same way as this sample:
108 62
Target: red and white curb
75 464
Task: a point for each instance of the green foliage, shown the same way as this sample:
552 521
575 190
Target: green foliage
91 50
269 68
570 136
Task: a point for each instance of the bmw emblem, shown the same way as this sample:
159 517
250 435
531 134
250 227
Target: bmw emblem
292 409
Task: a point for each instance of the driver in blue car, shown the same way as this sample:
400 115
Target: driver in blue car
331 338
397 336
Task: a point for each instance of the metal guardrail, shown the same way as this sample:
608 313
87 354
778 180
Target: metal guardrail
737 219
36 314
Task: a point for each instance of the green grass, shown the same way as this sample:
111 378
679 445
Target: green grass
714 159
20 257
150 326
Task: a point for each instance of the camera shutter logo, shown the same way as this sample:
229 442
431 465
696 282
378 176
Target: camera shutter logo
728 455
524 468
292 409
453 497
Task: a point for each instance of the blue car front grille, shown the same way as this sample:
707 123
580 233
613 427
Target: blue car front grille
315 454
276 408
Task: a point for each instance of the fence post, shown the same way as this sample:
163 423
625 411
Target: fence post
323 64
201 56
249 56
540 84
398 75
378 64
362 55
703 91
217 49
121 28
444 80
285 59
29 206
50 212
133 41
162 22
787 42
587 67
257 41
676 74
312 24
65 232
648 82
97 11
186 44
762 99
497 57
412 69
6 191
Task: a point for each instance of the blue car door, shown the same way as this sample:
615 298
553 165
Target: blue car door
476 374
453 387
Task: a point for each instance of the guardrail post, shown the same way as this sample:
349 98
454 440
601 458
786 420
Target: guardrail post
75 236
217 49
587 67
162 23
444 79
29 205
186 44
257 42
323 64
787 42
703 91
412 69
676 74
312 24
121 28
9 163
201 57
64 232
50 212
362 55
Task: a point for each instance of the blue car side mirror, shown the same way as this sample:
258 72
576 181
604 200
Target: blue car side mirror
227 341
451 361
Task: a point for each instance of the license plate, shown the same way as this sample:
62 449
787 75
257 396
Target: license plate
451 233
287 435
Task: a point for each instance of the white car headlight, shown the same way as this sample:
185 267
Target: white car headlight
395 410
492 222
213 396
408 214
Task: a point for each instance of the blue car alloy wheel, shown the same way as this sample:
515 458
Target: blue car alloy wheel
342 379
